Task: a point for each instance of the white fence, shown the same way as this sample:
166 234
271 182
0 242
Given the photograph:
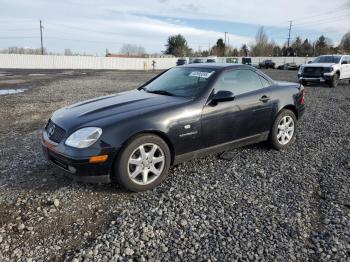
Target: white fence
82 62
90 62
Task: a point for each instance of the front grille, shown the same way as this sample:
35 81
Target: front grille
54 132
313 72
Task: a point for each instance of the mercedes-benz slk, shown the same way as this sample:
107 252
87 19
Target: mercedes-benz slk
185 112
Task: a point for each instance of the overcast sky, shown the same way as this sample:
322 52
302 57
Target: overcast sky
93 26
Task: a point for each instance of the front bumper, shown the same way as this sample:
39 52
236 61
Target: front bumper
79 168
321 79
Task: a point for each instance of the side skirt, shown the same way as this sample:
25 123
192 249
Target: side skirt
222 147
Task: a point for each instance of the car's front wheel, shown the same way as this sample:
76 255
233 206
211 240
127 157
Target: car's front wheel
283 130
334 81
143 164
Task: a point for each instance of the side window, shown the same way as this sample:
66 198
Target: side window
238 82
264 82
346 59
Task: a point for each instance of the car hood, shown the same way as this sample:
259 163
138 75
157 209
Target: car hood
121 105
319 65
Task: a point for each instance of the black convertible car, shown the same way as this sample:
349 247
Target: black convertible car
134 137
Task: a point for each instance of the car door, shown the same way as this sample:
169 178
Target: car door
247 115
346 67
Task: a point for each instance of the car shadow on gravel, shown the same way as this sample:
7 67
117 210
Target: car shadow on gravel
236 152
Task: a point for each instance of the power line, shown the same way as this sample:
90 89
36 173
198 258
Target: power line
83 29
337 10
16 37
329 19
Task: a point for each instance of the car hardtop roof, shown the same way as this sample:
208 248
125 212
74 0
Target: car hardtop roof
220 66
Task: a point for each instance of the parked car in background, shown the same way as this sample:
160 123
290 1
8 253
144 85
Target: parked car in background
267 64
232 60
181 61
211 59
198 61
288 66
193 110
246 61
327 69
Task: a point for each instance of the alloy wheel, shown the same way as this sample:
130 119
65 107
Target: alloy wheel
285 130
146 163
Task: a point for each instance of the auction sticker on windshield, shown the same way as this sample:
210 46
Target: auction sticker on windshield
201 74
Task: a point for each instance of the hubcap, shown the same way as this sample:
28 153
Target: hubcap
146 163
285 130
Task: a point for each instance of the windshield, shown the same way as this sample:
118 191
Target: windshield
185 82
327 59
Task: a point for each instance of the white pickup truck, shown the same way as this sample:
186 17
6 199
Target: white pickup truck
327 69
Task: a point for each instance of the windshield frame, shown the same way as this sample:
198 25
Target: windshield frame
196 94
335 59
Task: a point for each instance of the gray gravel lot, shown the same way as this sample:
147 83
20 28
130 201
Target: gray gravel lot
247 204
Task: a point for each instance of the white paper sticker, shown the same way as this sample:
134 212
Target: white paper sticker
201 74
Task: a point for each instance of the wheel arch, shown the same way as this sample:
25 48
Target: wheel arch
291 108
158 133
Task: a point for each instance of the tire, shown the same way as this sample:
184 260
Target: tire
334 81
279 131
133 162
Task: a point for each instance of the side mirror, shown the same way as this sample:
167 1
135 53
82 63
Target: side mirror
344 62
223 96
309 62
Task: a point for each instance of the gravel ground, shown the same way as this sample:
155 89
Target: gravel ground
247 204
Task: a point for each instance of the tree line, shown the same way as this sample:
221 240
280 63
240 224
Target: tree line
177 45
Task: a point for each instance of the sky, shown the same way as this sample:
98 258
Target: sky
94 26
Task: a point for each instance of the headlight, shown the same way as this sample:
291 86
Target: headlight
328 69
84 137
300 69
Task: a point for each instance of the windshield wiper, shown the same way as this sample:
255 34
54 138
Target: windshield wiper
142 88
160 92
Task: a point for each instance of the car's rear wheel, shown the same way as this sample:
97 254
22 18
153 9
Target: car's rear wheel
283 130
143 164
334 81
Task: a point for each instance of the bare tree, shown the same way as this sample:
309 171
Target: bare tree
261 43
132 50
68 52
22 50
345 43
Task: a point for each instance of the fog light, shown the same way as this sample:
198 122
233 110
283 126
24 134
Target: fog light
98 159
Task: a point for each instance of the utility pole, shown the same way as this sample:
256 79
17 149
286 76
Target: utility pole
290 29
41 38
225 44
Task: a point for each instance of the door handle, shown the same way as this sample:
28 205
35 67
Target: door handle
264 99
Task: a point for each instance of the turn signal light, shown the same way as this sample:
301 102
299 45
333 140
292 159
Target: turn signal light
98 159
